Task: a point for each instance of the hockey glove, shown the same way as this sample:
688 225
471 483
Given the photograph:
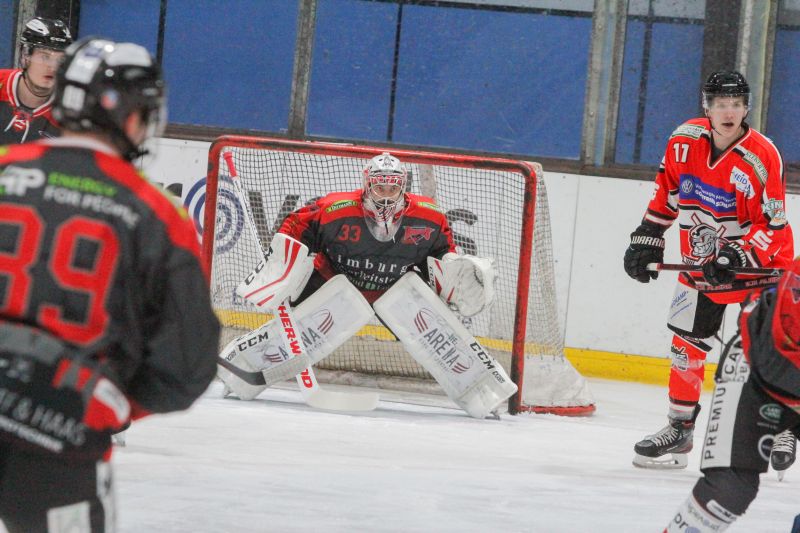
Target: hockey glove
720 271
647 246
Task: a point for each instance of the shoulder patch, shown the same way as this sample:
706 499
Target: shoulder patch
341 204
430 205
754 161
692 131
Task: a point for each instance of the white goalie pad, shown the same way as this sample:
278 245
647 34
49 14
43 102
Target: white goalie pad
327 319
440 343
283 274
463 281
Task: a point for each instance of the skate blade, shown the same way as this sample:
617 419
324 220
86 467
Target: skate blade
780 473
675 462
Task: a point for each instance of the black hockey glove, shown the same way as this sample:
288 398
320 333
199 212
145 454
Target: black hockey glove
647 246
720 271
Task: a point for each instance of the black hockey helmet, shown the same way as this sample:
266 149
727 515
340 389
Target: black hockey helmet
45 33
100 83
725 83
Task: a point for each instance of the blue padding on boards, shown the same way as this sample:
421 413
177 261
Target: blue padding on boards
6 33
351 77
492 80
229 64
783 121
127 20
672 90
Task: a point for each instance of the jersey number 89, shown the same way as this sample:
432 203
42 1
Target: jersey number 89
17 280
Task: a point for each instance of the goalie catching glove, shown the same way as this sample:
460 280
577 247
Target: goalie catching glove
283 274
465 282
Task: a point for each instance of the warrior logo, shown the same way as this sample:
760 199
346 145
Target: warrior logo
703 238
415 235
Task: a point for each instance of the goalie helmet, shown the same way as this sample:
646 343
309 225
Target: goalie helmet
385 181
725 83
100 83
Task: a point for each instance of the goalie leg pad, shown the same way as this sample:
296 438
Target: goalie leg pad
327 319
440 343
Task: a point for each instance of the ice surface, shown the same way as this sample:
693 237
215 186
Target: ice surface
274 464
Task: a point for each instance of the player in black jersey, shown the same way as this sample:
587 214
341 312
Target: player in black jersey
104 309
26 93
756 401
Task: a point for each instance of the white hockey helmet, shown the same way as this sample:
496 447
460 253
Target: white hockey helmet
385 180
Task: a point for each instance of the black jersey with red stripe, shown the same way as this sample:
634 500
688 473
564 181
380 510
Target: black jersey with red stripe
335 228
93 253
19 123
770 326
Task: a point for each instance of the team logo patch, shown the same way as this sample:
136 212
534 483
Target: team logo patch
680 360
415 235
21 120
775 211
771 412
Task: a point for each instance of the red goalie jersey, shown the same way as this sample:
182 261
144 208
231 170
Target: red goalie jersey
334 227
739 197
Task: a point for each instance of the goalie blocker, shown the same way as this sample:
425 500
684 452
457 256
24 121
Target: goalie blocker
439 342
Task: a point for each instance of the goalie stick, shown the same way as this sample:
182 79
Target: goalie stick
313 394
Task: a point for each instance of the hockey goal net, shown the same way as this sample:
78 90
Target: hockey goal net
496 208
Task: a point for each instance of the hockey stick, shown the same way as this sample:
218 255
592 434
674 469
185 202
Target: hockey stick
661 267
312 393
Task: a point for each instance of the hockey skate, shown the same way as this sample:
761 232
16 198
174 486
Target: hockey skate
674 439
783 453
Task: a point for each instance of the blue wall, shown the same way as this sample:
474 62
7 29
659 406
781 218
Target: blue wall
672 91
487 79
784 114
122 20
6 33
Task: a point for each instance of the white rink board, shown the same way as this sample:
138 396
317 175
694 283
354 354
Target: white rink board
592 218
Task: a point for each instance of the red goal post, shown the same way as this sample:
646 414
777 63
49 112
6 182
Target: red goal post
496 207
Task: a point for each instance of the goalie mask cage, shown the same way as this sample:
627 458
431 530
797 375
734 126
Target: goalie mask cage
496 208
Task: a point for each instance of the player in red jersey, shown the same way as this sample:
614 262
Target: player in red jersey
105 314
26 93
372 247
723 182
756 400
